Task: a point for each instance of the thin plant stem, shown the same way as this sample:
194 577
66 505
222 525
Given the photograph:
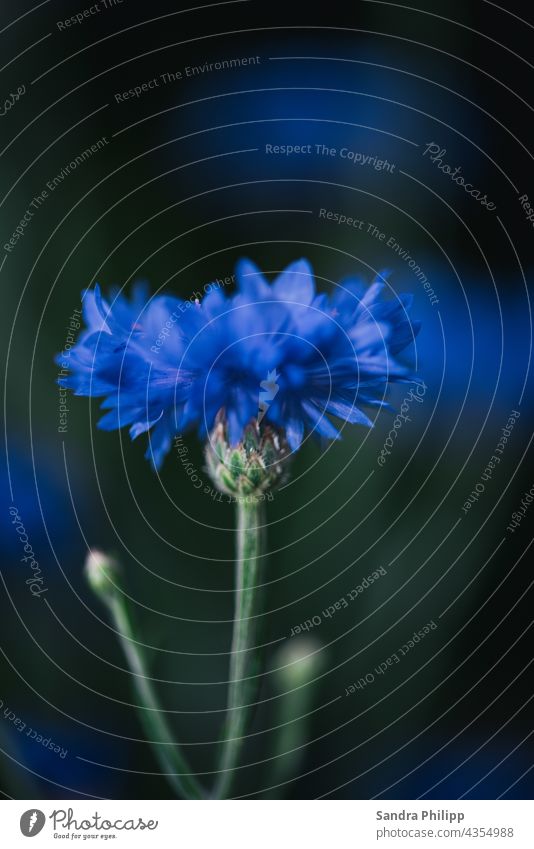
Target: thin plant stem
245 660
167 750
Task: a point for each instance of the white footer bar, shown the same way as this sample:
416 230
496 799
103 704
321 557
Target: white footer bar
269 824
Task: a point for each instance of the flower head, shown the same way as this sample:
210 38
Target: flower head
280 354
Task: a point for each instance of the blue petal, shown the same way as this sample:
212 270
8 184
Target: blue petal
294 433
347 412
141 427
295 283
214 303
94 311
320 422
159 443
251 281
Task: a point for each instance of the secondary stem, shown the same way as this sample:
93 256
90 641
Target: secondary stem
245 658
167 751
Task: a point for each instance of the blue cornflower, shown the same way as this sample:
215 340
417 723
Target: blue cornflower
280 353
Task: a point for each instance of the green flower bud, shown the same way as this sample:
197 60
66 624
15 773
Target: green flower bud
257 465
299 661
102 572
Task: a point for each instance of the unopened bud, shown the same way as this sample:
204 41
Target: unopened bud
102 572
299 662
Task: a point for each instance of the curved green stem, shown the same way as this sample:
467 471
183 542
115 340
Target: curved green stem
245 663
167 751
